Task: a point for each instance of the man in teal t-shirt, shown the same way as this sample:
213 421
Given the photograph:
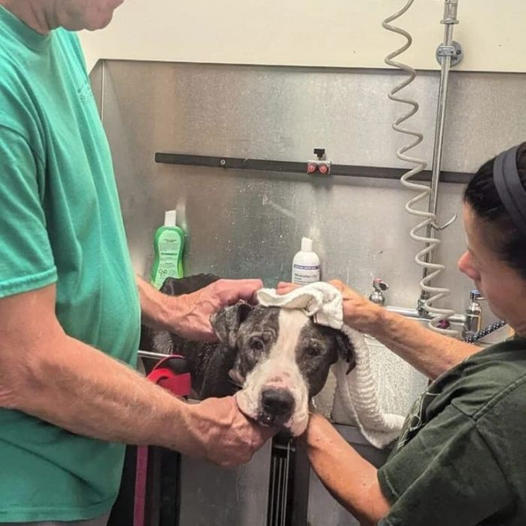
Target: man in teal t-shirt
70 306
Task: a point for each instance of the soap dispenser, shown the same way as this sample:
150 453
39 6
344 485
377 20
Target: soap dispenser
306 264
168 246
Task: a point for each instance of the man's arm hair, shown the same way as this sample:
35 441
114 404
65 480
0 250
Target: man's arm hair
47 374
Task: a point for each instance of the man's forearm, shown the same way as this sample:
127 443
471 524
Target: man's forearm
350 478
429 352
157 309
47 374
78 388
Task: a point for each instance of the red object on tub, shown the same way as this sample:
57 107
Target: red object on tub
179 384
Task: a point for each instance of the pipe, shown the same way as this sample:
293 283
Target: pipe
427 218
152 355
431 294
449 20
417 315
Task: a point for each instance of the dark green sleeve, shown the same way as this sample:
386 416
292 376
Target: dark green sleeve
446 475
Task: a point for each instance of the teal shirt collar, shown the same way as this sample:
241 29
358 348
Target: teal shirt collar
23 32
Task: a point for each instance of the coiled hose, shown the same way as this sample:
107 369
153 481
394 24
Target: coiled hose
428 218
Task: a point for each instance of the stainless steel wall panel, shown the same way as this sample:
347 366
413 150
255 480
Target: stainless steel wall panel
244 224
257 218
248 223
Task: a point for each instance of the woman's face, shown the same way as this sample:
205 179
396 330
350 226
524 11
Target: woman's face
500 284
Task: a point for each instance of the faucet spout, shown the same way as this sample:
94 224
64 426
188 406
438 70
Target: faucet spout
473 322
377 295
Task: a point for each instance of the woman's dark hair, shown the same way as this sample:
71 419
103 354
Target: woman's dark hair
482 196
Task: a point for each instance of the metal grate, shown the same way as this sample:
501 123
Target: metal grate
281 482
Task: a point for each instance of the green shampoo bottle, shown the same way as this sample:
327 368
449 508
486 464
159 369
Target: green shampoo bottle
168 246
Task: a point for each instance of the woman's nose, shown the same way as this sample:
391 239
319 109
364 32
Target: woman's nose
465 265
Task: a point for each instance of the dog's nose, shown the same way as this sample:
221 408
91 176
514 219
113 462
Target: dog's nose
277 403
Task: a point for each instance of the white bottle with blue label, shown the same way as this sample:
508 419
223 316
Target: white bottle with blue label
306 264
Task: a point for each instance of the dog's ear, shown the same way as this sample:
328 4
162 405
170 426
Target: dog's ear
186 285
227 321
345 350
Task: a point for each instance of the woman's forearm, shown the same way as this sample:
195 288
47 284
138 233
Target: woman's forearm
349 477
428 351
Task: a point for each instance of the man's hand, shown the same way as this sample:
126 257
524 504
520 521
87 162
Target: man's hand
226 437
191 313
284 287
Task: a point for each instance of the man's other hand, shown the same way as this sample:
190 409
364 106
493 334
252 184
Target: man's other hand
225 436
191 312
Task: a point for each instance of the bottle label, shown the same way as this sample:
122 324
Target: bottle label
168 264
307 267
168 269
305 274
169 245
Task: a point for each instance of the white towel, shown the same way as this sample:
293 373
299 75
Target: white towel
357 389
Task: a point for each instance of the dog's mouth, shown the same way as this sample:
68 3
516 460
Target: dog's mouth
265 416
291 423
266 420
276 407
269 420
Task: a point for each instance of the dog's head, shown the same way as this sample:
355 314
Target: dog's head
283 359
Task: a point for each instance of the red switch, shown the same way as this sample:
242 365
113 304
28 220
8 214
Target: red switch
324 169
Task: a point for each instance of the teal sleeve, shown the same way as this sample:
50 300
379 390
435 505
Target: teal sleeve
446 474
26 260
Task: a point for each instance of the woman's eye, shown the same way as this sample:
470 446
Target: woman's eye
257 344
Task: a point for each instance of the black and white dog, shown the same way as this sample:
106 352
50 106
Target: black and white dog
275 359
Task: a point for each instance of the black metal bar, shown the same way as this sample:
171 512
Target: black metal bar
235 163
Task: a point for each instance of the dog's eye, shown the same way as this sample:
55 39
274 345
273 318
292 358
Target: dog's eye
256 344
267 336
313 350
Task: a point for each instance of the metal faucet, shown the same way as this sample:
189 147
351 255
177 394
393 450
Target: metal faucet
473 321
377 295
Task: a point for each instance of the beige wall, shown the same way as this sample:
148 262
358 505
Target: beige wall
344 33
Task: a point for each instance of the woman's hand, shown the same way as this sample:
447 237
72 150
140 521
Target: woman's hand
358 312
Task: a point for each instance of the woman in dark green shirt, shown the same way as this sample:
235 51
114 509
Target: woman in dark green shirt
461 457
